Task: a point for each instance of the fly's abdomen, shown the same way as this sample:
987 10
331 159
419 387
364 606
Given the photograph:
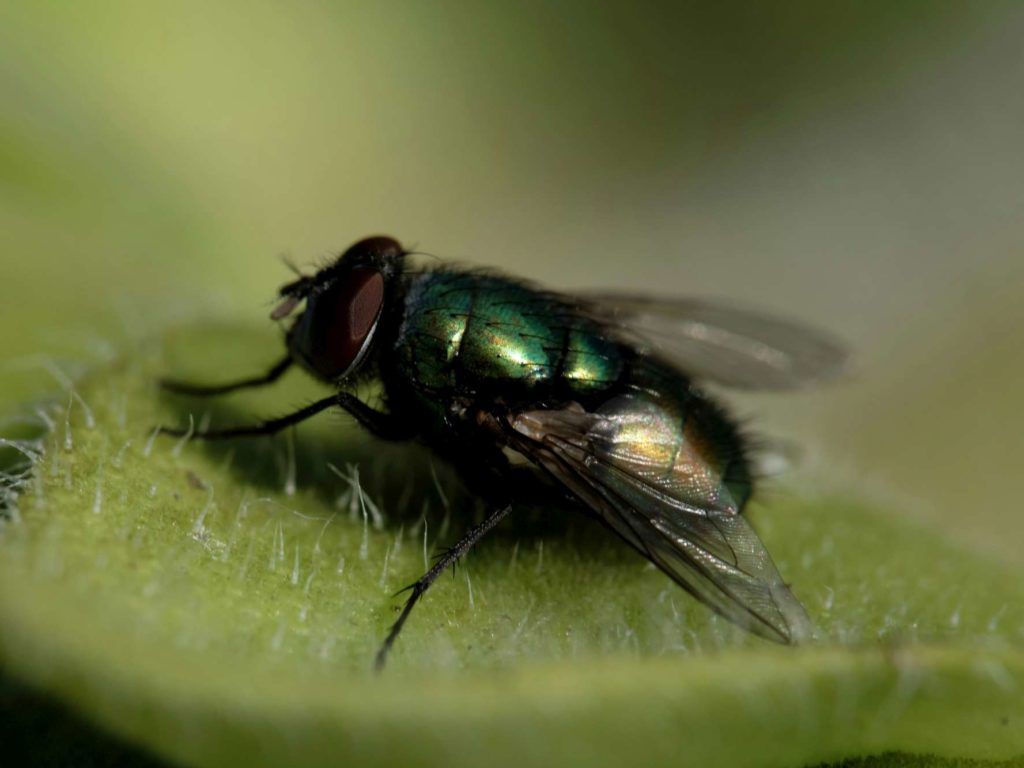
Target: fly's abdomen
467 332
667 429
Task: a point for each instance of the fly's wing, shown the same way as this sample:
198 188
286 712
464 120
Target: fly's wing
627 463
730 346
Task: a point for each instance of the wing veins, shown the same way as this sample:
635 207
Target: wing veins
722 343
746 590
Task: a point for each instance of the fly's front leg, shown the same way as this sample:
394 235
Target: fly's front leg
383 425
203 390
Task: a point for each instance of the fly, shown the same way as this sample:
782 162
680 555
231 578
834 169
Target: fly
593 395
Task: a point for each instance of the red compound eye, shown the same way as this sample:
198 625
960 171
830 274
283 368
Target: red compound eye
358 304
344 318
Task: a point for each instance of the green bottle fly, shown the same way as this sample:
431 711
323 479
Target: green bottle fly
593 394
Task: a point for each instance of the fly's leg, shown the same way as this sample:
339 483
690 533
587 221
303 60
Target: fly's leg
199 390
383 425
423 584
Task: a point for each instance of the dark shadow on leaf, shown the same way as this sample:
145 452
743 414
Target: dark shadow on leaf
906 760
405 480
36 730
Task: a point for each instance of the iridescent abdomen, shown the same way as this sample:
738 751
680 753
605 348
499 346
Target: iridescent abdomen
478 334
661 429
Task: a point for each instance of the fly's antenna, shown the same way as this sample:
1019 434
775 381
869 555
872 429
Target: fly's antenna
297 288
291 294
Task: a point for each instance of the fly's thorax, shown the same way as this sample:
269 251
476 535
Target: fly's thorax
472 332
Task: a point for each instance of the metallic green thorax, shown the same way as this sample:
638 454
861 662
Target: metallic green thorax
481 333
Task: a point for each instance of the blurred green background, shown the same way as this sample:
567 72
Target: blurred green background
854 165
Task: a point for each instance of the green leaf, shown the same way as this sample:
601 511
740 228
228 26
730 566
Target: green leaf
181 596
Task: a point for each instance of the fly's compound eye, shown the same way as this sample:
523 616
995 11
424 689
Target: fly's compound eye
379 246
338 324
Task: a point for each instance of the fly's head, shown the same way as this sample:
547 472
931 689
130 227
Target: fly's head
343 305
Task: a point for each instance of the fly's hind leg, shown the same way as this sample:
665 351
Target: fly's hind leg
447 560
202 390
488 474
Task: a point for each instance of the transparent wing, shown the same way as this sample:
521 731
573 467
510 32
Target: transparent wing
736 347
659 504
